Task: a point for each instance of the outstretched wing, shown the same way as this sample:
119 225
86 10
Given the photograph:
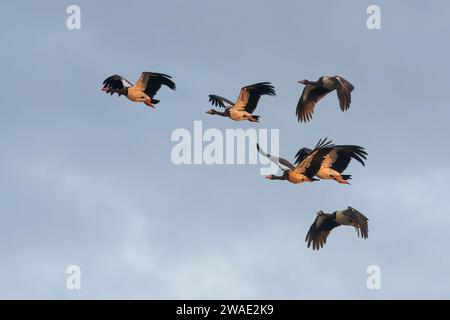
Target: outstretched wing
250 95
151 82
116 82
310 96
343 89
319 231
280 162
302 154
361 221
220 101
313 161
340 156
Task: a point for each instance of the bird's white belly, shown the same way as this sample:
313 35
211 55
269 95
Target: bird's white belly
135 95
295 177
342 219
327 173
328 83
239 115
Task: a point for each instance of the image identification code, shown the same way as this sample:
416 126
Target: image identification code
226 309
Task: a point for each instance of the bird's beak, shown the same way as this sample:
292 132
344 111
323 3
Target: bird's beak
269 177
149 103
301 81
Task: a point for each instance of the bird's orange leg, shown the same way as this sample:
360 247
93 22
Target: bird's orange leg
342 181
149 102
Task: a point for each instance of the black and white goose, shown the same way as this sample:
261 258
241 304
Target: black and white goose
245 104
335 161
316 90
304 170
325 222
143 90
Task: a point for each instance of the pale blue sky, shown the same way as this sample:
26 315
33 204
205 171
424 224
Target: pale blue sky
87 179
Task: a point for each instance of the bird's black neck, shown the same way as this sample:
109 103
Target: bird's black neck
226 113
123 91
284 176
315 83
331 215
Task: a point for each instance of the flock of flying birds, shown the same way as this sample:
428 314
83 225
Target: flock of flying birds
325 161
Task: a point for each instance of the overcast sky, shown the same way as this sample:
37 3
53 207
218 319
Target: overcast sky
87 179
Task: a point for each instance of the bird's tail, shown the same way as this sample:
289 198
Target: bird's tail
346 177
255 118
154 101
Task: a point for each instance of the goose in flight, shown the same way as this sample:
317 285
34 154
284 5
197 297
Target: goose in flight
142 91
316 90
245 104
305 170
325 222
335 161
